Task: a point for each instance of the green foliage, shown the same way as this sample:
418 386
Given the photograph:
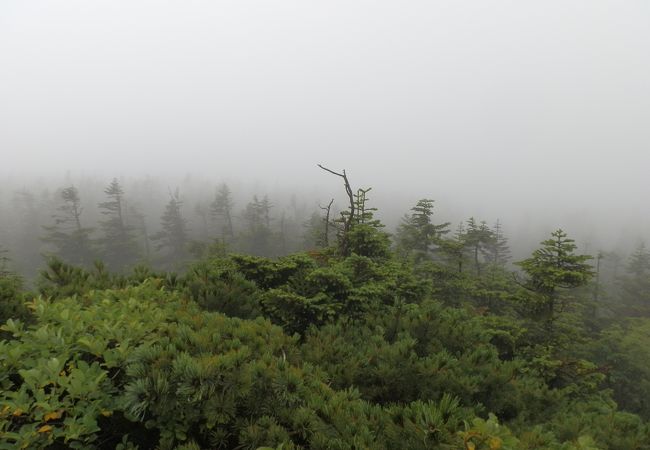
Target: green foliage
172 238
323 350
118 243
635 285
12 301
216 286
367 240
418 234
624 354
553 267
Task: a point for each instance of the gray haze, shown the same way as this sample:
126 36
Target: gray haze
536 112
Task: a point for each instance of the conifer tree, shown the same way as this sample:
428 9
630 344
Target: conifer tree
639 262
418 234
498 252
221 209
172 238
70 239
364 213
635 284
118 243
555 267
257 237
29 213
476 239
4 262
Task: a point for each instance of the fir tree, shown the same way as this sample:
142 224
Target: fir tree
258 231
70 239
555 267
635 284
221 210
172 238
418 234
476 239
498 252
118 243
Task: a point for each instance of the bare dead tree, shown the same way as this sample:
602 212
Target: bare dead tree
327 210
348 218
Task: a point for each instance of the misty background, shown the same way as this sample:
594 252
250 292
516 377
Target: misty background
534 113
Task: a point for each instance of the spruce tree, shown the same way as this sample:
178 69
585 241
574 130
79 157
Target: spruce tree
70 239
477 238
635 284
172 238
417 235
555 267
118 243
498 251
221 210
257 236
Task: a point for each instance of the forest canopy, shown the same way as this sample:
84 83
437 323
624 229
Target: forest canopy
429 337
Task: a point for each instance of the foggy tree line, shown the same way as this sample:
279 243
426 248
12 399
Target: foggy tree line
430 326
123 233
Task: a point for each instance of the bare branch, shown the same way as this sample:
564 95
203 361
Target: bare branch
331 171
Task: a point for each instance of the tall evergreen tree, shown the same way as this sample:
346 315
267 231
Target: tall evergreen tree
476 239
498 251
221 210
417 234
118 243
555 267
256 238
635 284
172 238
70 239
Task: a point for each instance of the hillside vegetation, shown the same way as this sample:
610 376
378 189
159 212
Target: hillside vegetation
415 341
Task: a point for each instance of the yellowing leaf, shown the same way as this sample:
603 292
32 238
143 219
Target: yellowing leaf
106 413
470 446
52 415
45 429
18 412
495 443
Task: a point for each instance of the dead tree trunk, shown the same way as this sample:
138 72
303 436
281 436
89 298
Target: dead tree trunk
327 210
347 221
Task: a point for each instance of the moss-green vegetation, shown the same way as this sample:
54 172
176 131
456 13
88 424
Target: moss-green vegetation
431 345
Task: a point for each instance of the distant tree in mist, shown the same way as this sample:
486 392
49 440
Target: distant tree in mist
28 212
477 239
70 239
118 243
257 235
172 238
498 251
221 211
418 235
4 262
635 284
